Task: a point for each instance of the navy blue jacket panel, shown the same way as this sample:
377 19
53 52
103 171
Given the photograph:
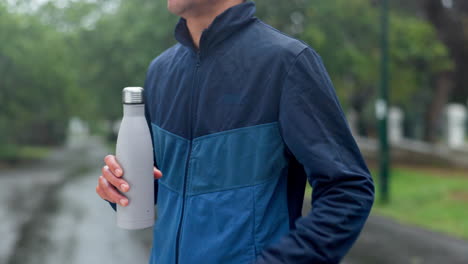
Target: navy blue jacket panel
315 131
238 127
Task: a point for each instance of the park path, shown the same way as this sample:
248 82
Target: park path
385 241
52 214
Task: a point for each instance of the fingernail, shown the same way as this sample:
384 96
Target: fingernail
123 202
118 172
124 187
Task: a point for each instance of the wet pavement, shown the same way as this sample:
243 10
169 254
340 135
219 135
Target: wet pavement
385 241
51 214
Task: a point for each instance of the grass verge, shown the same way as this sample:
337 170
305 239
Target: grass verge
13 153
435 199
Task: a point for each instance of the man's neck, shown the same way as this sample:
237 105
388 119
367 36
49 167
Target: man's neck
197 22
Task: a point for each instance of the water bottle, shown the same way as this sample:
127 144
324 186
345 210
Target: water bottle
134 152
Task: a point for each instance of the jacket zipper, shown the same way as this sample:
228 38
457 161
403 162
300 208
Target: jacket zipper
187 162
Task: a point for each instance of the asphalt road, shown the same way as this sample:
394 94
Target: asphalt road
50 214
384 241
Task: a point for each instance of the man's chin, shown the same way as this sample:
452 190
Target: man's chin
175 9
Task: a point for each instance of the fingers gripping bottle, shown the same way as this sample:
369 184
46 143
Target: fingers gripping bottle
134 152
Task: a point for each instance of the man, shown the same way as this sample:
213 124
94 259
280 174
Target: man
241 115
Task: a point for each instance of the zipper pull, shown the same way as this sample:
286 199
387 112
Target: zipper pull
198 59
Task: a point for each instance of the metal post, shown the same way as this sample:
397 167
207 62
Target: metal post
382 106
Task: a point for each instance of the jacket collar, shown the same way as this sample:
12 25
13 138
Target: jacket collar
225 24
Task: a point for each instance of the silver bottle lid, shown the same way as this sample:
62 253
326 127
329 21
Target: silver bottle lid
132 95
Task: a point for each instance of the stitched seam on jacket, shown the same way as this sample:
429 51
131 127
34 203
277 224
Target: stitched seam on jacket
233 131
282 91
167 187
254 235
282 33
234 187
295 58
169 133
333 144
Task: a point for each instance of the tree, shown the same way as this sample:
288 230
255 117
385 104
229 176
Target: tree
35 81
451 23
117 51
346 33
449 18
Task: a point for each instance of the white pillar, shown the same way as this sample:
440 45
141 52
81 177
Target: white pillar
116 126
353 121
456 117
395 124
78 132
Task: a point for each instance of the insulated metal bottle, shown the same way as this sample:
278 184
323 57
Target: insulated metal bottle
134 152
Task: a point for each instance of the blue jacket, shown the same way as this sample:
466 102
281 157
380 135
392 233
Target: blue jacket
238 127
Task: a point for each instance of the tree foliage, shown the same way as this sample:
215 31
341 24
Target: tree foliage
118 50
36 85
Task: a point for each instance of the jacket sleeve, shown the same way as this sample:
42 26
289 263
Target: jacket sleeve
315 131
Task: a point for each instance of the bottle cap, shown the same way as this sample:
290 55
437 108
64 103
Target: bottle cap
132 95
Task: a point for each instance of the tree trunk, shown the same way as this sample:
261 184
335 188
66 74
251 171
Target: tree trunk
443 86
451 25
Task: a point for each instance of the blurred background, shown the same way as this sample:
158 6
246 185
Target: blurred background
402 84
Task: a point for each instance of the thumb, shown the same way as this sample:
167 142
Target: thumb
157 173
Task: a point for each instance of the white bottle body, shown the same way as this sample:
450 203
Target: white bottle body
134 152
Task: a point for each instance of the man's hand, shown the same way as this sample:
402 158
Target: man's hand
111 182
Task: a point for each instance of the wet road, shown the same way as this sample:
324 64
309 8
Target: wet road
384 241
53 215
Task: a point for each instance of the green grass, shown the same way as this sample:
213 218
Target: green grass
432 199
11 153
437 200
